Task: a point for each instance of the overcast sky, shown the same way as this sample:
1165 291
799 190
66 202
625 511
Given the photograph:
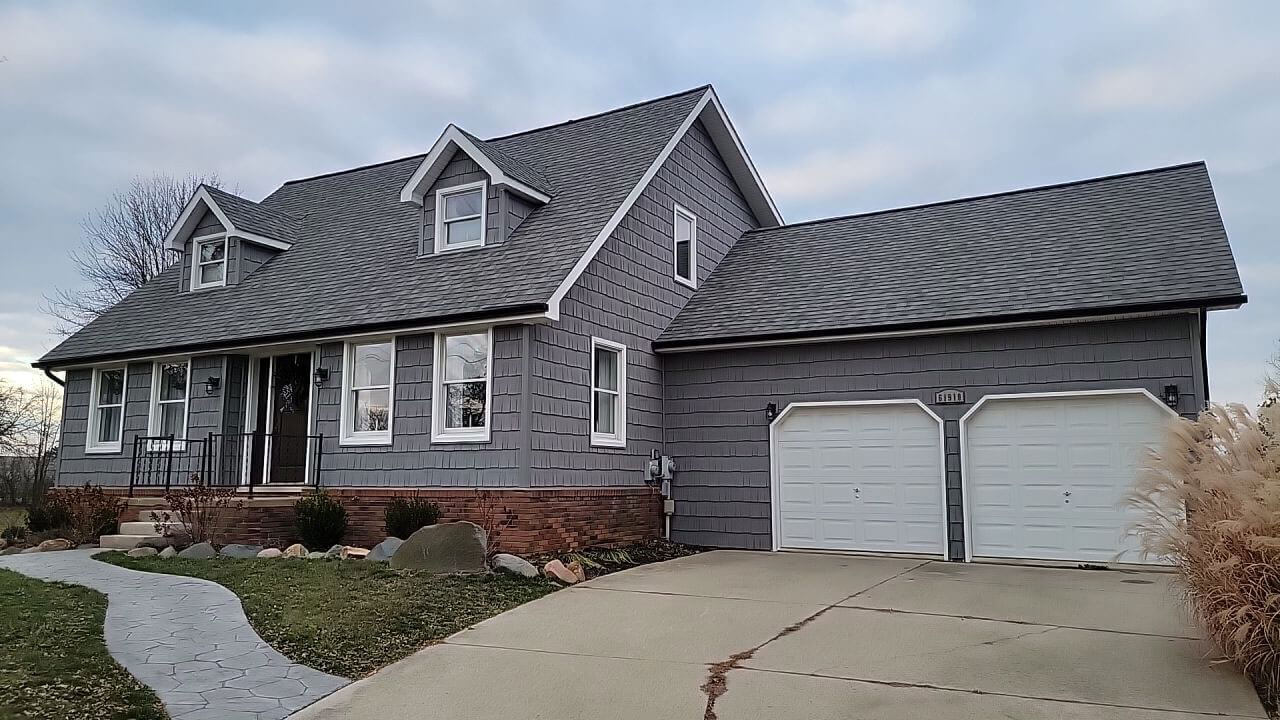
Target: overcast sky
844 107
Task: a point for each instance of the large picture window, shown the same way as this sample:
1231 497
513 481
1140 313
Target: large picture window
608 393
106 411
209 266
460 217
169 387
462 387
368 392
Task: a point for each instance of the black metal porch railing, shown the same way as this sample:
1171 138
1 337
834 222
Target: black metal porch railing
245 460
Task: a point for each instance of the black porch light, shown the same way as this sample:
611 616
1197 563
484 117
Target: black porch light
771 412
320 375
211 384
1170 396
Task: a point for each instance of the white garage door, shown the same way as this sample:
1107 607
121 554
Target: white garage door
859 477
1046 477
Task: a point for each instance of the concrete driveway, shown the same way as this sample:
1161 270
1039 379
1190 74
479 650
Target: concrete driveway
819 637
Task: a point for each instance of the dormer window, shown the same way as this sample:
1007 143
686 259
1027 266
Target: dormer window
209 265
460 217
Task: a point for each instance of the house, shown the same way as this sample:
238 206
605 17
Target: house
540 314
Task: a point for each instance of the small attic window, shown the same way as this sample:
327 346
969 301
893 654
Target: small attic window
209 262
460 217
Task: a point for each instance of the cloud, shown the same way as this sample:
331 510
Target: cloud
858 28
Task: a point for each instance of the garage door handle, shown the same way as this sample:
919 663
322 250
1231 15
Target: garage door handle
1066 493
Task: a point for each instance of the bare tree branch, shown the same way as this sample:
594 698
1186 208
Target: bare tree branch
123 247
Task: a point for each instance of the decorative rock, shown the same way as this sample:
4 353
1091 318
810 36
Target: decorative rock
270 553
142 552
175 541
296 550
351 552
10 551
578 571
444 548
24 551
52 545
334 552
557 571
236 550
3 543
383 551
503 562
317 555
168 552
199 551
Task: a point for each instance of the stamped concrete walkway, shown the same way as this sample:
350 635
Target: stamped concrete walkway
187 639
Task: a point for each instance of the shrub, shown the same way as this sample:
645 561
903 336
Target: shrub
49 514
321 519
14 533
201 509
406 514
90 511
1211 503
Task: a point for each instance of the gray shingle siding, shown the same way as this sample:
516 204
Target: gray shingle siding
412 459
461 170
75 467
628 294
715 400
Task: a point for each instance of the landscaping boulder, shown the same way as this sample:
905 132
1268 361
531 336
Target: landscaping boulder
55 544
174 541
351 552
10 551
317 555
143 552
444 548
24 551
296 550
502 562
169 552
383 551
236 550
557 571
334 552
578 571
199 551
270 553
3 543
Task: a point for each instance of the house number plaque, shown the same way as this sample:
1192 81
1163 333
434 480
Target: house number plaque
948 397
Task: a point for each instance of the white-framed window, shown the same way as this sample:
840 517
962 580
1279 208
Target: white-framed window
170 387
460 216
208 262
368 392
685 247
608 393
462 386
106 410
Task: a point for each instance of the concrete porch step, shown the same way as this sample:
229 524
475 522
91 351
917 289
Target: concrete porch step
147 527
122 542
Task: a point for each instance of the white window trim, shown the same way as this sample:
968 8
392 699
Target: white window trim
153 415
347 436
443 193
439 433
617 439
196 242
692 280
91 445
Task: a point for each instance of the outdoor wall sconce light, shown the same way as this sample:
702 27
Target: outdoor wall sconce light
1170 396
321 374
211 385
771 412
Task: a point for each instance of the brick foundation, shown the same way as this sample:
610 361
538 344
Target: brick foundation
537 520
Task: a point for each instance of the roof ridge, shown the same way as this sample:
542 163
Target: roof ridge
971 198
358 168
624 108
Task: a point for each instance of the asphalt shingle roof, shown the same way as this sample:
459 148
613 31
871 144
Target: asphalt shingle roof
1140 239
355 262
512 166
249 216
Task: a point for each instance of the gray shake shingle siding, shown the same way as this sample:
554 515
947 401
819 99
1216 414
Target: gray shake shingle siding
1139 239
356 263
715 400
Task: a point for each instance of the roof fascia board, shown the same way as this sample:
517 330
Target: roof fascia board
938 330
185 224
261 240
709 110
301 338
433 164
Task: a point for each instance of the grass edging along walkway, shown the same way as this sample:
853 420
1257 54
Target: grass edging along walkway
349 617
53 658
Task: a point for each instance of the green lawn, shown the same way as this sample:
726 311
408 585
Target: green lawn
350 617
53 660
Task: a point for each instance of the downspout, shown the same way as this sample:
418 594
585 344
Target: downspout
1204 352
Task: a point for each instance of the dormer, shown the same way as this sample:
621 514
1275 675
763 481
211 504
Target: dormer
223 238
472 193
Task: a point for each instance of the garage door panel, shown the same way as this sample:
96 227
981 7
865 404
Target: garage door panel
1059 492
888 453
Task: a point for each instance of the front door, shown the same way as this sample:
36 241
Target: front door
281 442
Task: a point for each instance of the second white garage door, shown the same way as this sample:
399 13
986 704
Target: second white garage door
859 477
1046 477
